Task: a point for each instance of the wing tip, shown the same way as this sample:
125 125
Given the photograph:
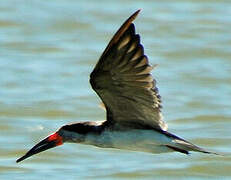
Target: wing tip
126 25
136 13
117 35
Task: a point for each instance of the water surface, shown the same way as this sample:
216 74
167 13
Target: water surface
49 48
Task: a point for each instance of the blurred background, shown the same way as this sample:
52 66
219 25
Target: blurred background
49 48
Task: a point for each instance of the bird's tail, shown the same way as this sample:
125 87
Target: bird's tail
183 146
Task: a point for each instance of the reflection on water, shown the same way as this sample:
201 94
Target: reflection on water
48 50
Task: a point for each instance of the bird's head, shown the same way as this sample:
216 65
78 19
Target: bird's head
68 133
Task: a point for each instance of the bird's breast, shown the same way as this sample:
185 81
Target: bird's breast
135 140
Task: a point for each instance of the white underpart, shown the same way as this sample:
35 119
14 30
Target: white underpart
134 140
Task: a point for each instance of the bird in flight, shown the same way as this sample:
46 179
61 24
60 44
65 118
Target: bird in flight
122 79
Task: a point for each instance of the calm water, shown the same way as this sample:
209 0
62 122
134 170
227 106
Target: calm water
49 48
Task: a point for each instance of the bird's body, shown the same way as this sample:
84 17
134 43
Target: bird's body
120 137
134 140
145 140
122 79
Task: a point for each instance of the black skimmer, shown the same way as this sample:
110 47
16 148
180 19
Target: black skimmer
122 79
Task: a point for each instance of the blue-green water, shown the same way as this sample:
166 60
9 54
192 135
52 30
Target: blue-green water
49 48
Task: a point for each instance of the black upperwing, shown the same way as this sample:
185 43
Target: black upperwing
122 78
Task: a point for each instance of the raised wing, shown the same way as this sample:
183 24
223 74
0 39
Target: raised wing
123 81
